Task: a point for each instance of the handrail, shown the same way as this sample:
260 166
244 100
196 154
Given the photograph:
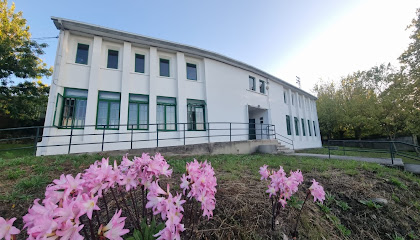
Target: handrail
290 143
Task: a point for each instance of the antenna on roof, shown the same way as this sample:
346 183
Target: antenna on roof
298 81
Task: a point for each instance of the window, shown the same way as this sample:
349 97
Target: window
196 117
112 59
296 126
314 128
139 63
166 113
71 108
251 83
191 71
309 128
262 86
288 126
138 112
284 97
82 53
108 116
303 127
164 67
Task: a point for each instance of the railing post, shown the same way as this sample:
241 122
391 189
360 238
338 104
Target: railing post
208 131
103 139
71 136
36 140
261 131
391 152
184 134
275 133
230 132
157 135
132 129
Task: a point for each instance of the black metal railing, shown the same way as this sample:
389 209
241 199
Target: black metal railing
286 140
387 148
211 131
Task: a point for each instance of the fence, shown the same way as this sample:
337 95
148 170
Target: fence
390 148
128 138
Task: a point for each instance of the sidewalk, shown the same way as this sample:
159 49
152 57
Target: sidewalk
384 161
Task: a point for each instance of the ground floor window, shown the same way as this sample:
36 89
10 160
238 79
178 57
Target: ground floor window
309 128
70 109
314 128
296 126
138 112
108 114
166 113
289 128
196 115
303 127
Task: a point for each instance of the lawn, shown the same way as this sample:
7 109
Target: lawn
359 152
243 208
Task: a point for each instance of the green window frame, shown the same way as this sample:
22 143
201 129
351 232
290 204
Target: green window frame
196 115
309 128
303 127
138 112
166 113
192 71
289 128
70 109
82 53
296 126
108 110
314 128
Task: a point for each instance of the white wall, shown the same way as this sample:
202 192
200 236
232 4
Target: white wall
223 87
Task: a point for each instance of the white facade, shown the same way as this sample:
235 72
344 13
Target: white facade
221 83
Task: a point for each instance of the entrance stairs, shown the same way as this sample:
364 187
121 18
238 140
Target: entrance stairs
282 149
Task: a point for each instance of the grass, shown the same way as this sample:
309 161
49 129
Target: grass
356 152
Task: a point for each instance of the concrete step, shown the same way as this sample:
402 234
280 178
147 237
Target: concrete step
286 151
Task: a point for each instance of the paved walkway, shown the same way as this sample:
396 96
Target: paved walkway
414 168
384 161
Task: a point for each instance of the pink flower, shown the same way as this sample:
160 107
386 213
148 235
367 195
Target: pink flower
115 228
69 230
7 231
317 191
184 183
264 172
87 205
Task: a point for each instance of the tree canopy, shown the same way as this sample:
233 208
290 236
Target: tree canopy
19 55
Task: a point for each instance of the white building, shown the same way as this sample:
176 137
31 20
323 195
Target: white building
112 87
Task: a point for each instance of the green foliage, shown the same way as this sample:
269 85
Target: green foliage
323 207
398 183
329 199
370 204
343 205
337 223
19 55
295 202
147 231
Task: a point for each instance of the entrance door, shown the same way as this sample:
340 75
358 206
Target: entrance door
252 132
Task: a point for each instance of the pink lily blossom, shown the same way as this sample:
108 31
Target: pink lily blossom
7 230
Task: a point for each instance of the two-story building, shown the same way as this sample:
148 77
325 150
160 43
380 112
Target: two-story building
117 90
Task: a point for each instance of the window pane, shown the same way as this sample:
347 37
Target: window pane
139 98
160 118
82 53
68 112
143 116
102 114
199 117
262 86
109 96
164 67
252 83
303 127
191 71
309 128
296 126
71 92
132 115
139 63
114 115
170 117
166 100
112 59
289 131
80 113
314 127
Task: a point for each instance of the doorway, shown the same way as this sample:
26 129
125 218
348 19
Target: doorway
252 131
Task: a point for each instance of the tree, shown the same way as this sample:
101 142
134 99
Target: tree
19 55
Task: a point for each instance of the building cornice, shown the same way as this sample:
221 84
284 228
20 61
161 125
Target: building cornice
90 29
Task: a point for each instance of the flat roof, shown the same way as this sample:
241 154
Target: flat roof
91 29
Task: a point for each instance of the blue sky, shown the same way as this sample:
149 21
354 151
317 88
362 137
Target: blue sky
310 39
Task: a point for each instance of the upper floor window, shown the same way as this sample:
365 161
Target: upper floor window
284 97
108 115
288 125
166 113
164 67
309 128
303 127
71 108
196 115
252 83
191 71
82 53
139 63
262 86
112 59
297 126
138 112
314 128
